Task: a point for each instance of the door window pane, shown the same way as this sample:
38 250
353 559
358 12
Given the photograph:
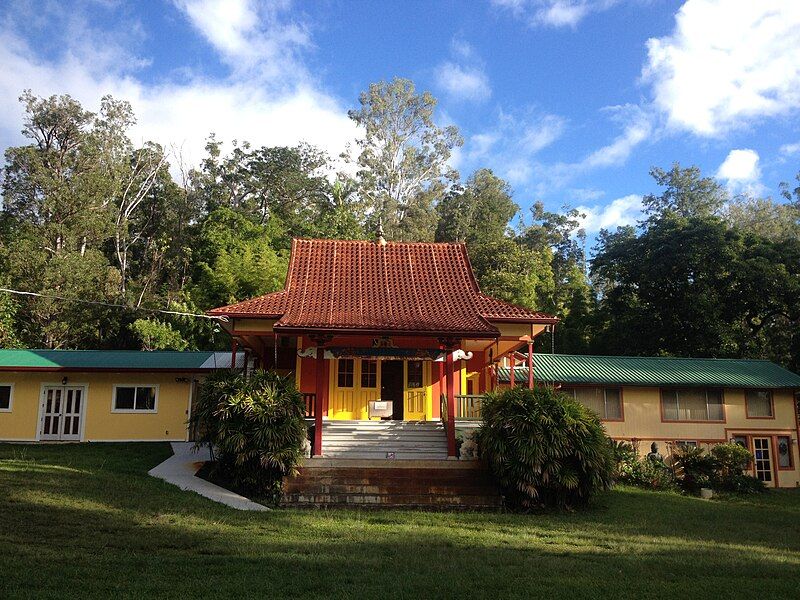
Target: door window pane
759 403
345 374
784 451
369 373
414 374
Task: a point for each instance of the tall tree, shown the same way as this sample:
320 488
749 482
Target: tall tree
404 157
686 194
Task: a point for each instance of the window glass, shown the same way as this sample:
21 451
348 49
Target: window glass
784 451
345 375
606 402
414 374
592 398
686 443
133 398
369 373
5 397
669 399
613 403
145 398
125 399
692 404
759 403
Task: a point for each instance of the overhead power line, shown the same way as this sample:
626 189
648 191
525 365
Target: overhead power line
112 305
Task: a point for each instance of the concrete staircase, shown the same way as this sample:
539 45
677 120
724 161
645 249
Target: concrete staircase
430 484
408 440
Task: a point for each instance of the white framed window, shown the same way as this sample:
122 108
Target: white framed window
6 396
139 398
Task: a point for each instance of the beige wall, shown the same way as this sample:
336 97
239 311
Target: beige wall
643 423
100 423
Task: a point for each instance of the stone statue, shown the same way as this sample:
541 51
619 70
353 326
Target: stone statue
654 454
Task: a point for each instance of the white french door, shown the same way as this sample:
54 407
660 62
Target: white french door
762 452
62 413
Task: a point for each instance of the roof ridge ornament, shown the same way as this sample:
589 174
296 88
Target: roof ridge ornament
380 239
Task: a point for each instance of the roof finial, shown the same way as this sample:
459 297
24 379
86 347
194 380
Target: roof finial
380 239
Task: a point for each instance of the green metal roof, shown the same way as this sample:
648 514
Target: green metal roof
655 371
109 360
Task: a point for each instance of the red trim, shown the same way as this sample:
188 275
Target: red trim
724 406
771 403
530 365
451 404
320 372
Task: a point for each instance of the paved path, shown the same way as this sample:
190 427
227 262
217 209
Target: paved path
179 469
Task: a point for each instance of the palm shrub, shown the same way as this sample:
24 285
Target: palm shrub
255 425
544 448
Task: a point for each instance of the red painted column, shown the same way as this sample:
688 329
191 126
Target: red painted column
512 379
530 365
234 349
451 404
320 371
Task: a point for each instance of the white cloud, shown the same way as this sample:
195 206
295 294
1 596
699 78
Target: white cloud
250 35
620 212
463 82
741 172
727 63
790 149
510 148
273 104
464 77
638 128
554 13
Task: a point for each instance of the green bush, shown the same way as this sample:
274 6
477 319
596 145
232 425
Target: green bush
545 448
645 473
732 459
255 425
695 468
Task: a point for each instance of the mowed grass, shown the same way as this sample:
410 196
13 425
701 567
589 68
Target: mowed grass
85 521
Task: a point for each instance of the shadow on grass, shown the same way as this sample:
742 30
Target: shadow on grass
104 528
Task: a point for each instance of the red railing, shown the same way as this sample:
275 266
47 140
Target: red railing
310 400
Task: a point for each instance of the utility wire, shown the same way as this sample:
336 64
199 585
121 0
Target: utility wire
112 305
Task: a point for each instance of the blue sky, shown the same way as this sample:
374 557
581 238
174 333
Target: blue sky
572 101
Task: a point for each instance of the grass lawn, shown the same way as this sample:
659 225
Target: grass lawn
86 521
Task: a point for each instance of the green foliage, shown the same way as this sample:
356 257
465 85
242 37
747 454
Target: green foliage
236 260
404 158
256 426
645 473
722 469
158 335
545 448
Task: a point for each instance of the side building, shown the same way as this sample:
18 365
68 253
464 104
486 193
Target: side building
684 401
100 395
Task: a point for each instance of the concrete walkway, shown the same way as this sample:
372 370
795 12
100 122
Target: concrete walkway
179 469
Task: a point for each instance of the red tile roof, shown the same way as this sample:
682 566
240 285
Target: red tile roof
335 285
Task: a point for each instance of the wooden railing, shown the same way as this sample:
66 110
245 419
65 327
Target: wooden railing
310 400
443 409
468 407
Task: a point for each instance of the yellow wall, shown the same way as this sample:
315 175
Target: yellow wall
353 403
101 424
